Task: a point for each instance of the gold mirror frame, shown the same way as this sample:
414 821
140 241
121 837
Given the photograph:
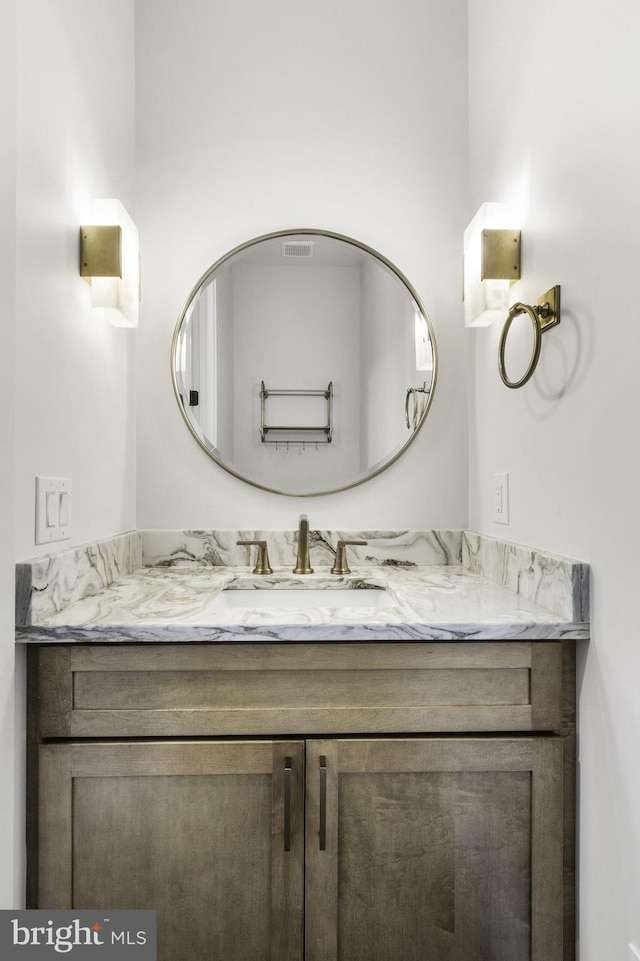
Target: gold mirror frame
297 233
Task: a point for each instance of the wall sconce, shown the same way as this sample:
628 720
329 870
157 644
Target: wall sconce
109 262
491 264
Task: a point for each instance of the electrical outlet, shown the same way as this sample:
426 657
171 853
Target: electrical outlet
501 498
53 509
634 953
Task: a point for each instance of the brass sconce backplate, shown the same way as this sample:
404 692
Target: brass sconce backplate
500 255
100 252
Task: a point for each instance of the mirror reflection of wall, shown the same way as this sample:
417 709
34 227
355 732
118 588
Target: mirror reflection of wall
387 361
330 313
297 327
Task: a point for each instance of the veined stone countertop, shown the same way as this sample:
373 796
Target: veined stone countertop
496 591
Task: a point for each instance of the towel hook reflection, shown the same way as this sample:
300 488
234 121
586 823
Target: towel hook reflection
411 420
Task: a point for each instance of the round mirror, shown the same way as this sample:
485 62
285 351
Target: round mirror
303 362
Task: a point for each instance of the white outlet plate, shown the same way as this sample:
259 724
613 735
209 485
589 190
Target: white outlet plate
501 498
53 509
634 953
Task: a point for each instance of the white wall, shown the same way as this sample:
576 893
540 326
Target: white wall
11 782
66 106
253 117
74 373
296 328
388 365
554 107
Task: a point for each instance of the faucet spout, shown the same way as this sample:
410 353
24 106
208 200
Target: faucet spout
303 565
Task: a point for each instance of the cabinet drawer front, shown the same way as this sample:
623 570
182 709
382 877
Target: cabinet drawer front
218 690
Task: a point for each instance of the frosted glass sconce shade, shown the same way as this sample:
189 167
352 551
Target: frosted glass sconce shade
491 264
109 262
424 350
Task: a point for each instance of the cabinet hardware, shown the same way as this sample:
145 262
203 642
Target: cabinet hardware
287 803
323 802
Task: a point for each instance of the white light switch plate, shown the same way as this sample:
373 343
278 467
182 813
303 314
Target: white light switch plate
634 953
53 509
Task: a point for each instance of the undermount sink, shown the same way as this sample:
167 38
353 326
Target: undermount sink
302 598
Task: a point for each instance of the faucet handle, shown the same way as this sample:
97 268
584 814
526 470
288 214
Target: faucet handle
262 560
340 565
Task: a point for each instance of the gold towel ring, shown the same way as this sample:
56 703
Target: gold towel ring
544 315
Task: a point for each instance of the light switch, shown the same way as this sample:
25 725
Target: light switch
53 509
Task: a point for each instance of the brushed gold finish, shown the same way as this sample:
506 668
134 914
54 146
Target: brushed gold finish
500 255
287 803
262 559
303 565
544 316
548 308
322 833
340 565
100 252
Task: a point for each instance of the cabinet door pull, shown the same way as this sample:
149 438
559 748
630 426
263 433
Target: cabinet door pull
287 803
323 803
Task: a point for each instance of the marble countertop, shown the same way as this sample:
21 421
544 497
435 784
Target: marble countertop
175 604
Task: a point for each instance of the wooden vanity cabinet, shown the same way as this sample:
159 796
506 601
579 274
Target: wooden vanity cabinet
384 802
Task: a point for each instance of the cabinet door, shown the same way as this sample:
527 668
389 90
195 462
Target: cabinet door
434 850
210 835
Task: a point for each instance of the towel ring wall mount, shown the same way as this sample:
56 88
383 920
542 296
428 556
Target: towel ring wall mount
544 316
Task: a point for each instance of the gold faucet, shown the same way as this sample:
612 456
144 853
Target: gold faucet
340 565
302 562
262 560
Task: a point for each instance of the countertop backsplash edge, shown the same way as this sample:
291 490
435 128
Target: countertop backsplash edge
560 584
48 584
